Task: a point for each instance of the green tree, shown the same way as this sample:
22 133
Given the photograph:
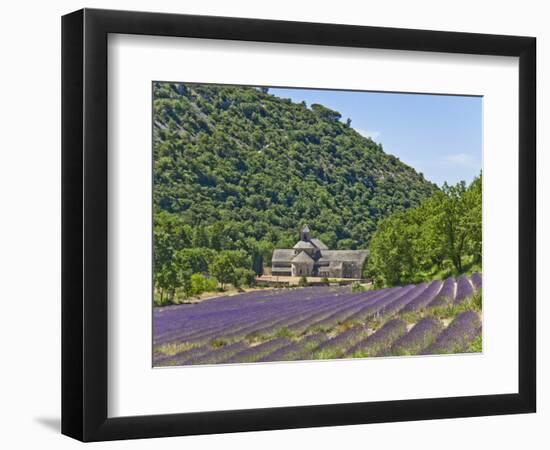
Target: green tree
186 282
392 257
198 284
223 268
472 205
195 260
460 221
200 237
225 265
257 262
167 279
243 277
444 230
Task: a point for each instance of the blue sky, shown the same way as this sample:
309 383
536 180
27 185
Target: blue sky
438 135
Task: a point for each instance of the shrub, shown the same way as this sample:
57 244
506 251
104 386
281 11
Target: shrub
197 284
244 277
210 284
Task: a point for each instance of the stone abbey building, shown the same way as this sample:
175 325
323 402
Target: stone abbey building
311 258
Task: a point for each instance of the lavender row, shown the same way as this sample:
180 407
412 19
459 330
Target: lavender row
380 341
398 304
341 314
463 289
351 313
418 338
458 335
476 281
216 356
372 309
446 294
180 358
424 298
337 346
254 353
296 351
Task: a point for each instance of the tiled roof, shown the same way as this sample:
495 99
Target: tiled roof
358 256
303 257
282 255
318 243
304 244
327 256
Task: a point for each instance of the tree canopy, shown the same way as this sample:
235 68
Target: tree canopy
441 235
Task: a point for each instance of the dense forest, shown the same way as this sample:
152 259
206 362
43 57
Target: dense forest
439 238
239 169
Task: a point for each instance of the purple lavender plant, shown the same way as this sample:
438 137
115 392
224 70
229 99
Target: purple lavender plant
344 313
380 341
457 336
418 338
476 280
216 356
180 358
463 289
337 346
254 353
446 295
374 308
296 350
424 298
400 303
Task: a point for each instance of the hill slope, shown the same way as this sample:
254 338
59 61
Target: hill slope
238 164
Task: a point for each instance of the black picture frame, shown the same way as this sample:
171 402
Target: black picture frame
84 224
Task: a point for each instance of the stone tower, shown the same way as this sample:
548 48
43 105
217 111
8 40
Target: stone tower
304 234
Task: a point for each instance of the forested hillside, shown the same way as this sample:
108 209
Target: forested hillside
239 168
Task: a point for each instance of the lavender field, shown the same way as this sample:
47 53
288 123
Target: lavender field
321 323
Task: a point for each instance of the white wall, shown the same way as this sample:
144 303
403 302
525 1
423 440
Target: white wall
30 226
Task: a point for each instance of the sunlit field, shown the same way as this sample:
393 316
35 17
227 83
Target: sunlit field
322 323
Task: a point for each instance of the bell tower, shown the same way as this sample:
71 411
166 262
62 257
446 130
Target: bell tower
304 234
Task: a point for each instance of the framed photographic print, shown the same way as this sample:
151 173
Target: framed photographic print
274 224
